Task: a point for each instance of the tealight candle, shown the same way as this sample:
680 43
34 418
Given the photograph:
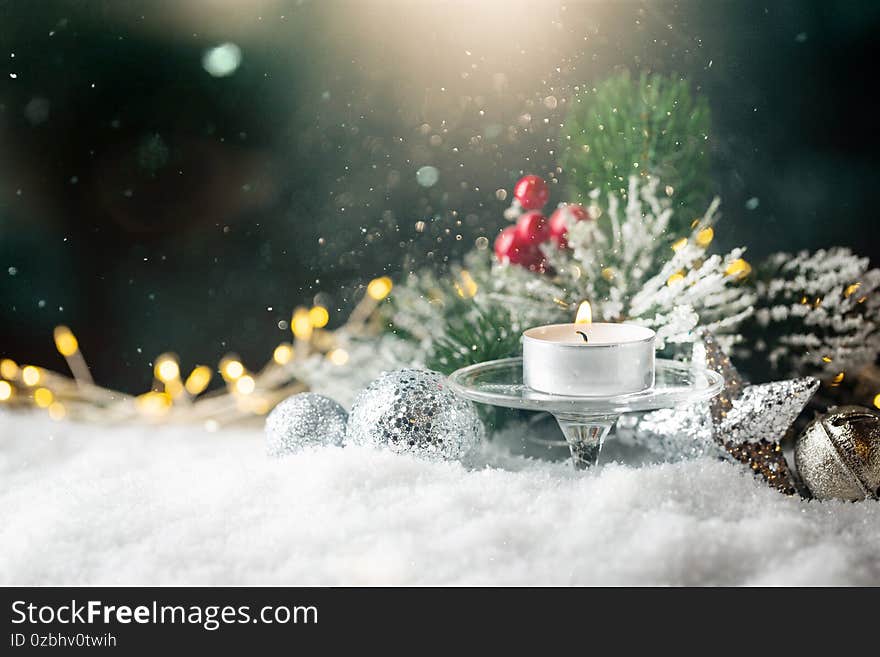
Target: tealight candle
588 359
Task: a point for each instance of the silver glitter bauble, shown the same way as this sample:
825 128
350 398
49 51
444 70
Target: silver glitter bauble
304 420
838 455
414 411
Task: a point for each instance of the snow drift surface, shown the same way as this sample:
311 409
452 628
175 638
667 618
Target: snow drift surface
80 505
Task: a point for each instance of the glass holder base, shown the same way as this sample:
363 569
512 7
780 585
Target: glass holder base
585 421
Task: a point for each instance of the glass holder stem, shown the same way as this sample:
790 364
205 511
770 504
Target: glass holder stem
585 435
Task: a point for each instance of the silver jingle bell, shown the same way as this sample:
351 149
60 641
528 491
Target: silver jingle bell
838 455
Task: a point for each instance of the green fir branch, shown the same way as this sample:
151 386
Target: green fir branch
652 125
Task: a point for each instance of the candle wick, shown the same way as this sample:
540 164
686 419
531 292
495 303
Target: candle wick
583 335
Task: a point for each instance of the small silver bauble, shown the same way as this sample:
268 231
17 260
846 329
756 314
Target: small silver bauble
414 411
303 420
838 455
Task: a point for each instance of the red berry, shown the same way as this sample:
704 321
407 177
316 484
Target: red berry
504 243
560 220
508 250
531 192
539 264
532 229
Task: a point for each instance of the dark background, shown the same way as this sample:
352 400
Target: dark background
151 206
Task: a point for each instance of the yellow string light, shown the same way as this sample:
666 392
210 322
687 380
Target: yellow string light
466 286
253 404
301 324
31 375
826 359
166 368
169 383
231 368
174 387
198 380
283 353
245 385
877 400
43 397
9 369
852 289
319 316
338 357
836 381
704 237
675 278
153 403
379 288
678 245
65 341
57 411
738 269
608 274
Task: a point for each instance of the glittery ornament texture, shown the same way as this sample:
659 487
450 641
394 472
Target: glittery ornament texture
304 420
750 421
765 411
747 422
838 455
414 411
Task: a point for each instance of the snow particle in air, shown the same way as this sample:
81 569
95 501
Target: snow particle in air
222 60
427 176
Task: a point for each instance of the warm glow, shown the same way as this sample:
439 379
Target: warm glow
301 324
319 316
9 369
198 380
283 353
30 375
6 391
466 286
852 289
245 385
675 278
379 288
677 246
876 399
153 403
704 237
43 397
231 368
584 313
166 368
739 268
65 341
174 387
338 356
57 411
253 404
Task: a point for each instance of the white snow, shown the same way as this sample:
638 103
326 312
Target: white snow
134 505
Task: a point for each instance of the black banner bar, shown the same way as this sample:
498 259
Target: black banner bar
147 620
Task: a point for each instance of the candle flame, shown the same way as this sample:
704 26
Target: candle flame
584 314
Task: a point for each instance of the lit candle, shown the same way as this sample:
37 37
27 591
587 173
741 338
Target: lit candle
587 359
